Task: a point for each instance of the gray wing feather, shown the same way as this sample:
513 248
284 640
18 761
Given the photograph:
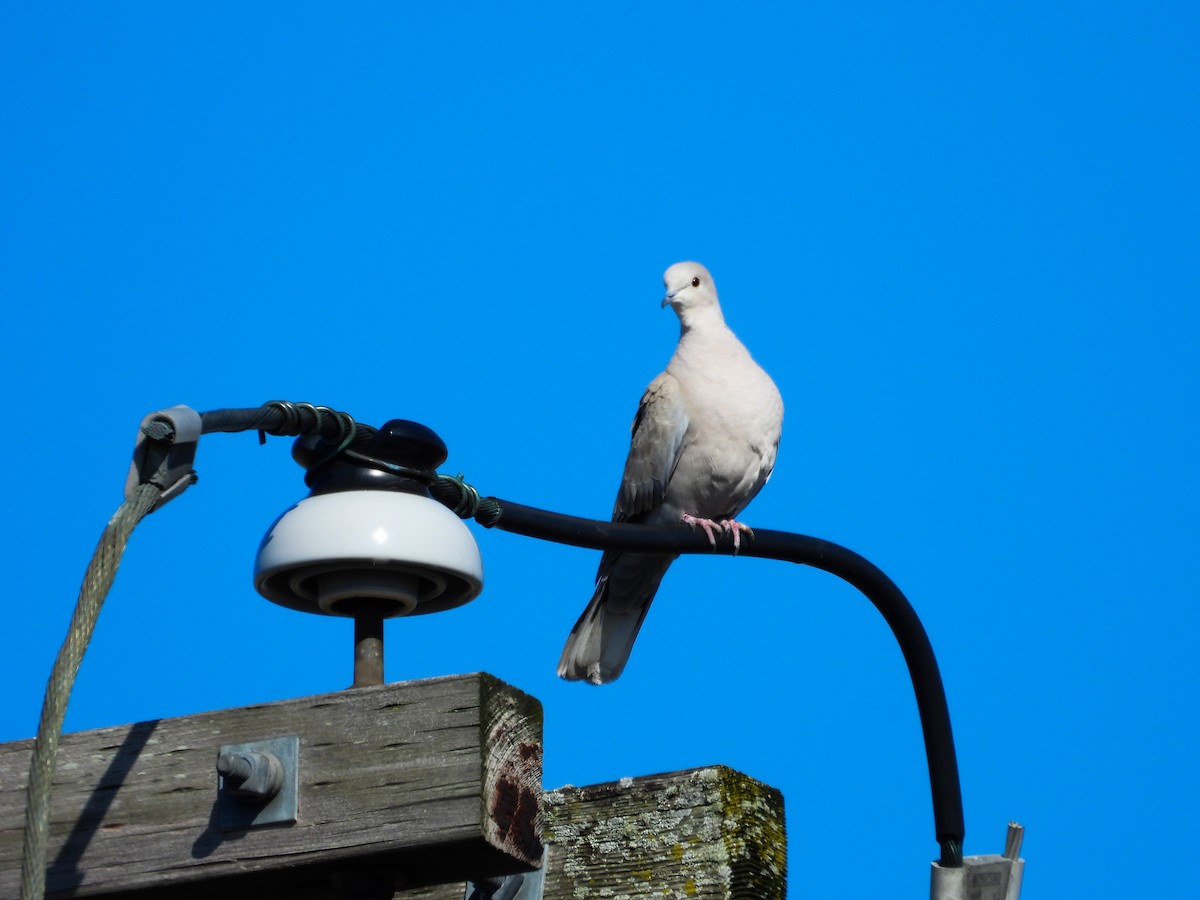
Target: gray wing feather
658 433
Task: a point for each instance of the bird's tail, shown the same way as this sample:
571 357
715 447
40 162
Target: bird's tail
601 641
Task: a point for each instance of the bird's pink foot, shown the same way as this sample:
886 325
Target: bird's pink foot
710 526
707 524
732 525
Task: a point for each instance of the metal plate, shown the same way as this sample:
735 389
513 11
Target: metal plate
234 812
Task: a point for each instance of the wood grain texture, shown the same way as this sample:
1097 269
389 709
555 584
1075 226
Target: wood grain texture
419 782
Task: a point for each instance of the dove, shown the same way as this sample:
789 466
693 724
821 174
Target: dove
703 445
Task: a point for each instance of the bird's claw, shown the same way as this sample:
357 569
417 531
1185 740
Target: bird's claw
729 526
707 524
736 527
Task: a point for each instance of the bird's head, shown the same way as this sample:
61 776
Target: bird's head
690 291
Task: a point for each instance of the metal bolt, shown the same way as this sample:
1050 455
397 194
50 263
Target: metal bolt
368 639
257 776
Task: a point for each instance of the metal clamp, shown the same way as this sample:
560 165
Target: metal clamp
165 451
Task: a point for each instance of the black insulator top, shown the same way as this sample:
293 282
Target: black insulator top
401 456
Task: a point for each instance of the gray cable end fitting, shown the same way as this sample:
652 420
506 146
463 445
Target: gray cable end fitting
986 877
164 452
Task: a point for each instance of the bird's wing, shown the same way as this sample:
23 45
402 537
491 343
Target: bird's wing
658 433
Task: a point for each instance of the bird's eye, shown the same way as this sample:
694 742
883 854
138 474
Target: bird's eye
696 281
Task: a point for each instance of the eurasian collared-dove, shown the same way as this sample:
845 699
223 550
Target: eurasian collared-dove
704 443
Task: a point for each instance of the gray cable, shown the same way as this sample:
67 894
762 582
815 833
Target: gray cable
96 583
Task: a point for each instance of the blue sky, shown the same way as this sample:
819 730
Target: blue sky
962 238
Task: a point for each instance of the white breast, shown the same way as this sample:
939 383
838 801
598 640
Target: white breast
735 416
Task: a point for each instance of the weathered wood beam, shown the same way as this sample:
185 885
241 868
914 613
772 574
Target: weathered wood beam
704 834
415 783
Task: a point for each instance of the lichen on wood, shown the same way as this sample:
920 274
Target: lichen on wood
708 834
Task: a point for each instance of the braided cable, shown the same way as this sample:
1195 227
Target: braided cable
96 583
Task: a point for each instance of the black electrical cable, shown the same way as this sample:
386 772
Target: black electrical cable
286 419
825 555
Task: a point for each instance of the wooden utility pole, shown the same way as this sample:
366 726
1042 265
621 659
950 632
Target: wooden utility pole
403 789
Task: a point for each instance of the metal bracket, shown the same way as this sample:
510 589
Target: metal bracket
526 886
258 783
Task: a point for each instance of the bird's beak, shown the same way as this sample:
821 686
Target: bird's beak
667 299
